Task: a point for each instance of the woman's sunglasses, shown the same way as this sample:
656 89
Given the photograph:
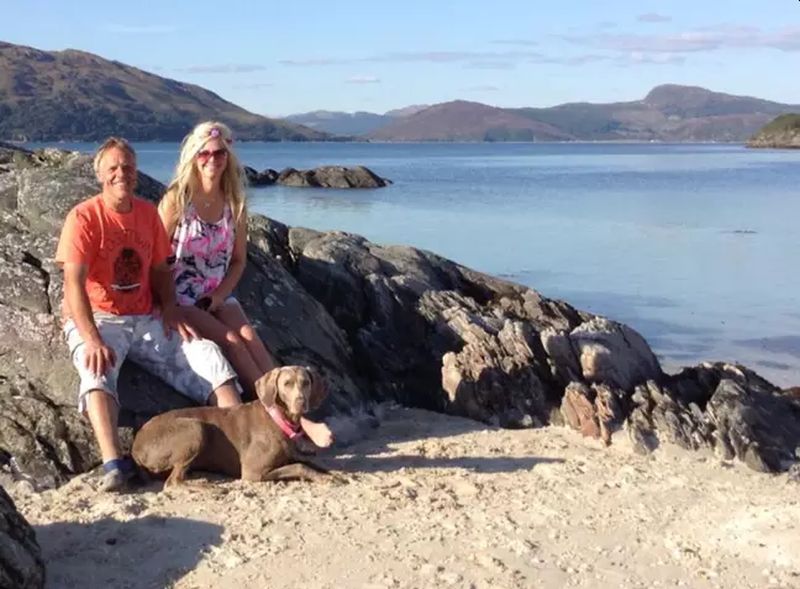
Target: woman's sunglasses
206 154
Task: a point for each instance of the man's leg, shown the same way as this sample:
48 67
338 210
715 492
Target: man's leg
197 369
103 411
97 397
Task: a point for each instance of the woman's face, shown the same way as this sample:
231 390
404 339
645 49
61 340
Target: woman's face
212 159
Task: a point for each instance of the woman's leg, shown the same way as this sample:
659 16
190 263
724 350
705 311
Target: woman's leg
232 315
234 347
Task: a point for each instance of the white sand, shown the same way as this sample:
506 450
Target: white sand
436 501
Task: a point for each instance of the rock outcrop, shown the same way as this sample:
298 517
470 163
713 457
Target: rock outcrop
264 178
722 407
380 322
331 177
21 565
782 132
322 177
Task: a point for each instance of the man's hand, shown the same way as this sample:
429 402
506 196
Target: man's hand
99 358
173 320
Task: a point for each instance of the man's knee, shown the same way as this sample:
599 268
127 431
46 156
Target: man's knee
225 395
98 402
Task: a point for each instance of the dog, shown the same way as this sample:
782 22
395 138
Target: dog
253 441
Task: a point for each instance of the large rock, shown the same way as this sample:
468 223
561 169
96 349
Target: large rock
21 565
255 178
722 407
331 177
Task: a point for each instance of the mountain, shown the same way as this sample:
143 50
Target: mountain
52 95
783 132
468 121
668 113
406 111
341 123
352 124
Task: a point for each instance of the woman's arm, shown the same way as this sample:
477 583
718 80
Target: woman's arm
168 213
235 268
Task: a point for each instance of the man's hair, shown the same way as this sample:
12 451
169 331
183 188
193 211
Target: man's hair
111 143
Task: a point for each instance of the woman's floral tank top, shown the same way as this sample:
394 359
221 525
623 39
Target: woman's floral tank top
202 253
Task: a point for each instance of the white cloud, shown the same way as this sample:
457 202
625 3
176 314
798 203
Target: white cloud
482 88
653 17
523 42
254 86
362 80
696 40
416 57
491 65
228 68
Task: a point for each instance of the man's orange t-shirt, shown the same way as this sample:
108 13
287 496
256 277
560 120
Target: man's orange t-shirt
119 250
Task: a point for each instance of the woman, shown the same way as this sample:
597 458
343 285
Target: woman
204 212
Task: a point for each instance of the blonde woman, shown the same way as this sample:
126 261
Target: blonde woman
204 212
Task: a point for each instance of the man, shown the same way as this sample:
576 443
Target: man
113 250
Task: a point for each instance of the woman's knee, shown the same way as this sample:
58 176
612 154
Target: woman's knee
233 341
247 333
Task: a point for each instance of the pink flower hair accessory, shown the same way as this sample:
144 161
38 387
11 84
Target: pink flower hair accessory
215 133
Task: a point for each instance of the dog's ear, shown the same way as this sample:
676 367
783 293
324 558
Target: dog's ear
319 390
267 387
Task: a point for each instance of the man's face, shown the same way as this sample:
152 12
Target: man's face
117 173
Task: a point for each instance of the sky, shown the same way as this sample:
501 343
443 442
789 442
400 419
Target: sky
280 58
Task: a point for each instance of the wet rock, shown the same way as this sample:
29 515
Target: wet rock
331 177
264 178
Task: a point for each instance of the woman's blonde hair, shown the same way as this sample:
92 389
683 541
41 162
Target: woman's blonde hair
186 180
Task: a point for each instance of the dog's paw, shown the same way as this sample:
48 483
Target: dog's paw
337 479
305 447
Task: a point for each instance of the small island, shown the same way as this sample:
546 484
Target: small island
782 132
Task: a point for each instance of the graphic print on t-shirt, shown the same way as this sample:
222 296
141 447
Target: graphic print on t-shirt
127 271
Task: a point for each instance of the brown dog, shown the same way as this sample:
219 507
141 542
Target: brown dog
242 441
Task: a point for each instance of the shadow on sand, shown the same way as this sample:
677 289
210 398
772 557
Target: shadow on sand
136 554
477 464
376 452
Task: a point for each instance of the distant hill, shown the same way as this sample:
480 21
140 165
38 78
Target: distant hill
406 111
782 132
53 95
468 121
668 113
340 123
352 124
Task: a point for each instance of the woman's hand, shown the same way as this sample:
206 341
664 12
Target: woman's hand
174 320
216 302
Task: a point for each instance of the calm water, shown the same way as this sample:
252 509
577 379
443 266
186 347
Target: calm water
695 246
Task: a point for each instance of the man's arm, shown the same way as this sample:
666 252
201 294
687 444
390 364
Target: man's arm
99 357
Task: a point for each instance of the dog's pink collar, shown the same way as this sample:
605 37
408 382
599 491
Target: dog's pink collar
292 430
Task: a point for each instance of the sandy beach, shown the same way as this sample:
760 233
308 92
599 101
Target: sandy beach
428 500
